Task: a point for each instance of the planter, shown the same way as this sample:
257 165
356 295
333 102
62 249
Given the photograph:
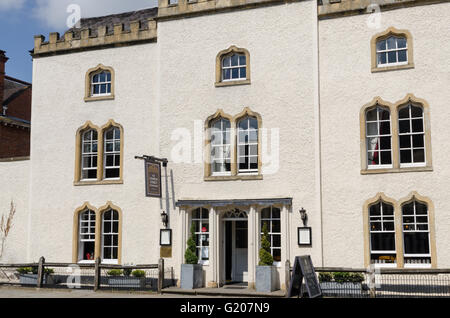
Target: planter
266 279
31 279
346 288
191 276
126 282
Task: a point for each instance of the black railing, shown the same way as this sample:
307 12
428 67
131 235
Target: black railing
149 277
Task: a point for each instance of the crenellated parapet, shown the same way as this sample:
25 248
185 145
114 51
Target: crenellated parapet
88 38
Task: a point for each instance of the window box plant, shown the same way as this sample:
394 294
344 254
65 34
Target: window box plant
29 276
342 283
126 278
266 273
191 271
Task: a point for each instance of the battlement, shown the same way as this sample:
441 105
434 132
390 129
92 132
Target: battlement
102 36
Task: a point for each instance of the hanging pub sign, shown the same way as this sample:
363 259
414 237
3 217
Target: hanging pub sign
153 179
303 268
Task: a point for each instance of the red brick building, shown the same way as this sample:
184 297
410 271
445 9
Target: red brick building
15 115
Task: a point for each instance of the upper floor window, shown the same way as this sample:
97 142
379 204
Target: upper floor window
397 136
221 147
247 150
112 153
378 137
233 67
99 154
89 155
99 83
392 49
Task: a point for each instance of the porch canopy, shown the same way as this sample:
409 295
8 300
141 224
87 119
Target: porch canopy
236 202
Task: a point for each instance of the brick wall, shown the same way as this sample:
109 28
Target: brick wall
14 142
20 107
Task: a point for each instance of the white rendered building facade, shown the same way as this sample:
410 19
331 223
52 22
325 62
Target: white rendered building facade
293 106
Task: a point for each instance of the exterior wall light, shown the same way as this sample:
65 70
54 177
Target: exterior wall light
304 216
165 218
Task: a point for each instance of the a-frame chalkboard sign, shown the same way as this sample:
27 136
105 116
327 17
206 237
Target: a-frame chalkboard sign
303 268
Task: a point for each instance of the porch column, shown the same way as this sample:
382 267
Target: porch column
214 248
285 243
253 246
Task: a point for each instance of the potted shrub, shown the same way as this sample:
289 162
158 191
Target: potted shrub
266 274
191 271
118 278
29 276
339 283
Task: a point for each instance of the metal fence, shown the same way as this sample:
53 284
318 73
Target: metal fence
384 283
151 277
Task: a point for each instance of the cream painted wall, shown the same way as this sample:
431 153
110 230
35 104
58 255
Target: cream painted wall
282 91
346 85
15 178
58 111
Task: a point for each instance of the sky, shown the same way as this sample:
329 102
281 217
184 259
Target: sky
21 20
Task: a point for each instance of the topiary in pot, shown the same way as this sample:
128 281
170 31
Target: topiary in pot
190 256
265 257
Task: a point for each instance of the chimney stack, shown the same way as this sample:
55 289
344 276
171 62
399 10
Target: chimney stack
3 60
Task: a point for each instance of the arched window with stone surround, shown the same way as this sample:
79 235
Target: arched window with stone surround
233 67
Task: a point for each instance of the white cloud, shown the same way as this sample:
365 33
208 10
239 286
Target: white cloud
54 12
11 4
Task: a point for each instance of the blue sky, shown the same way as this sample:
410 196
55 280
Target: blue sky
21 20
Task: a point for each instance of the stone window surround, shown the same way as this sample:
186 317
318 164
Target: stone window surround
88 78
232 49
393 108
398 225
100 165
234 175
98 229
384 35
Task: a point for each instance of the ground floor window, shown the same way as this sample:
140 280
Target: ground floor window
272 217
416 234
110 236
86 232
200 219
382 233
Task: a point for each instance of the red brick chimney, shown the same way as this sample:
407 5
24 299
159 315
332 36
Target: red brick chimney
3 60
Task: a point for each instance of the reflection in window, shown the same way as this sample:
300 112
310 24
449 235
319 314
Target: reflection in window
110 236
378 138
86 247
89 155
272 217
247 150
112 153
101 84
382 233
200 219
416 233
234 67
392 51
221 147
412 135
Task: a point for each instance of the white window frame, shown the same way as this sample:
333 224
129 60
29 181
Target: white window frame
107 82
115 152
90 225
221 146
378 121
415 223
91 142
411 134
396 49
382 219
249 144
200 247
270 219
112 234
231 67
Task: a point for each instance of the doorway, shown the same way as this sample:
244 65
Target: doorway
236 250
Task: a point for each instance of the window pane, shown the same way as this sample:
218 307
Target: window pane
404 126
419 155
392 57
417 125
227 61
386 158
402 56
243 72
371 115
405 141
235 73
383 241
405 156
404 112
265 213
388 209
381 45
408 209
418 141
401 42
242 60
385 143
382 58
234 60
385 128
374 210
421 209
253 123
391 43
226 74
416 243
416 111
